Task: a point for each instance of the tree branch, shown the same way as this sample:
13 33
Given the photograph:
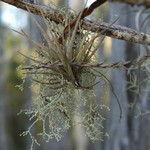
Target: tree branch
114 31
145 3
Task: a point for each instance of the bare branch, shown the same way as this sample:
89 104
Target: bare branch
145 3
115 31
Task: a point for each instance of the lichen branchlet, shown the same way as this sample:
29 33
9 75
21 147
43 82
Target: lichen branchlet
63 84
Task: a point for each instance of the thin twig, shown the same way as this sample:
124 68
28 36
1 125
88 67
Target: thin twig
145 3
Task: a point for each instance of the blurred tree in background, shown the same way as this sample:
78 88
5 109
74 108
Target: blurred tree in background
3 130
12 99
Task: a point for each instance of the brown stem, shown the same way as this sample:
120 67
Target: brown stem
87 11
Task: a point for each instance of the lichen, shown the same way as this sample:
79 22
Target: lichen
63 87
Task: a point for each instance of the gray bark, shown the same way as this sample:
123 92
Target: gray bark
117 32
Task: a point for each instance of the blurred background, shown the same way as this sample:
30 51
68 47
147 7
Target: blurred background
131 133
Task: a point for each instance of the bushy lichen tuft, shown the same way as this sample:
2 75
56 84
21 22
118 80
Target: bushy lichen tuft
64 81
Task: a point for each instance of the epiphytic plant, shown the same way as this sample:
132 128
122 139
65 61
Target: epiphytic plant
62 70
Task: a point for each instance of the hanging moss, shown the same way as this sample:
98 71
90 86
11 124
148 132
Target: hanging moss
63 80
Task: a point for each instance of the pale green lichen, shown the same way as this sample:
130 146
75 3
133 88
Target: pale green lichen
64 88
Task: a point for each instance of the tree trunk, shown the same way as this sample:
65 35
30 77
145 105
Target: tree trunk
138 127
3 133
118 129
130 133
